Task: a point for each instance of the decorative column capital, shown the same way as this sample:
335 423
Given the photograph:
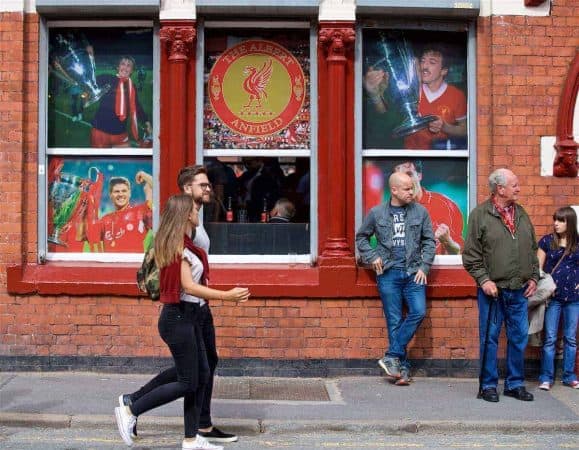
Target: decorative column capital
565 164
179 41
336 40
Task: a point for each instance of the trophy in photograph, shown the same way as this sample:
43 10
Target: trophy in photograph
64 195
76 65
67 197
404 86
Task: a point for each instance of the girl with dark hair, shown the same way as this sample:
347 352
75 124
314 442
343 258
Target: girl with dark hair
559 255
183 284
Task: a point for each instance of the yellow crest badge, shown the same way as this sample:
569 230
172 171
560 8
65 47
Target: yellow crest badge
256 88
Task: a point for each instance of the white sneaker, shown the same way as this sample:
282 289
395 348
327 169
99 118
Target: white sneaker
545 386
125 423
200 443
125 400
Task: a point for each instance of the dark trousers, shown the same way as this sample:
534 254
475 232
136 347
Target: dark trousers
204 321
179 328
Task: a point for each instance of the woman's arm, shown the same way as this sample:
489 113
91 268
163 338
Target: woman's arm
236 294
541 256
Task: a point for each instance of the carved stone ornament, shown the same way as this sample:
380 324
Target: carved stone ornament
336 41
179 41
565 164
534 2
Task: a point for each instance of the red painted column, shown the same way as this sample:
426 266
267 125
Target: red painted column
336 39
565 164
178 39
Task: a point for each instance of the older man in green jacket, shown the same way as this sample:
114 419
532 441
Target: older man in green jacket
500 253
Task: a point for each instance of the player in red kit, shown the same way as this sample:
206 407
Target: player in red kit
125 229
436 97
445 215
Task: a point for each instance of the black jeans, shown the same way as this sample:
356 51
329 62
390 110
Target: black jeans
179 328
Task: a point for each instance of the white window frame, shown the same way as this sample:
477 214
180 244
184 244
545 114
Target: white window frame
44 152
469 155
311 153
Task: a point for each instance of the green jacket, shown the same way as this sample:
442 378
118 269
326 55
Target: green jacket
492 253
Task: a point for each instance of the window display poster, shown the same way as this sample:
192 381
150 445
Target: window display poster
100 87
440 185
99 204
414 90
257 90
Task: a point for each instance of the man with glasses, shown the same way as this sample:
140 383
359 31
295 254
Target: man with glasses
193 180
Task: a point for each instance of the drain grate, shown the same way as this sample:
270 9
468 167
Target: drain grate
231 388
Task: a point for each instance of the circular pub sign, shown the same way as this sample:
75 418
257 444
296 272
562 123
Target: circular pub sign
256 88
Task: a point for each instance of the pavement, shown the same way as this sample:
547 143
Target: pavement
248 405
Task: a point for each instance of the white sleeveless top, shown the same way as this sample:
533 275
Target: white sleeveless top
196 272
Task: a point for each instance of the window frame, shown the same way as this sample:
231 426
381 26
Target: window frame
470 154
44 152
311 153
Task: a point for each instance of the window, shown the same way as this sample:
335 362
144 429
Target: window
416 100
97 144
257 139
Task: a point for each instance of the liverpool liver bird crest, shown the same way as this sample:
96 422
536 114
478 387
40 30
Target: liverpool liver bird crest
256 82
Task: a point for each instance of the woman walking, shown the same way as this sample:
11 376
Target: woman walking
183 275
559 255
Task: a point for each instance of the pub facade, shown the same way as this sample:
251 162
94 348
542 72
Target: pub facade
300 111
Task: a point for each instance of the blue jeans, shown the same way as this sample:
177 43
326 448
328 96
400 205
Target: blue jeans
570 318
510 307
396 287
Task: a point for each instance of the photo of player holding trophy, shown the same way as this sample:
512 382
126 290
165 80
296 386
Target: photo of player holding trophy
414 86
97 205
96 97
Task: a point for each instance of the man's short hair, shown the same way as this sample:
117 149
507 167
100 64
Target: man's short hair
442 50
417 163
187 174
496 179
127 58
118 180
285 208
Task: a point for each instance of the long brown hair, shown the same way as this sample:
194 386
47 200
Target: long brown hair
169 237
569 216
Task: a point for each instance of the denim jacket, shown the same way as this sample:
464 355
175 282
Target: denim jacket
420 244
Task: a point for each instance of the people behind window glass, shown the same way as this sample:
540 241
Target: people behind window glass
297 189
119 112
436 97
558 255
282 212
255 190
259 186
224 185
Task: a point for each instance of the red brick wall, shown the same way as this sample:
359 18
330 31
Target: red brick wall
522 66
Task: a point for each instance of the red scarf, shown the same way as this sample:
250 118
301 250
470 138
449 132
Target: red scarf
200 253
121 105
507 215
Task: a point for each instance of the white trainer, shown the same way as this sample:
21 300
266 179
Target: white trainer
125 423
200 443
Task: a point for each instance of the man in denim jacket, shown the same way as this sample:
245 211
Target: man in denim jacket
401 260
